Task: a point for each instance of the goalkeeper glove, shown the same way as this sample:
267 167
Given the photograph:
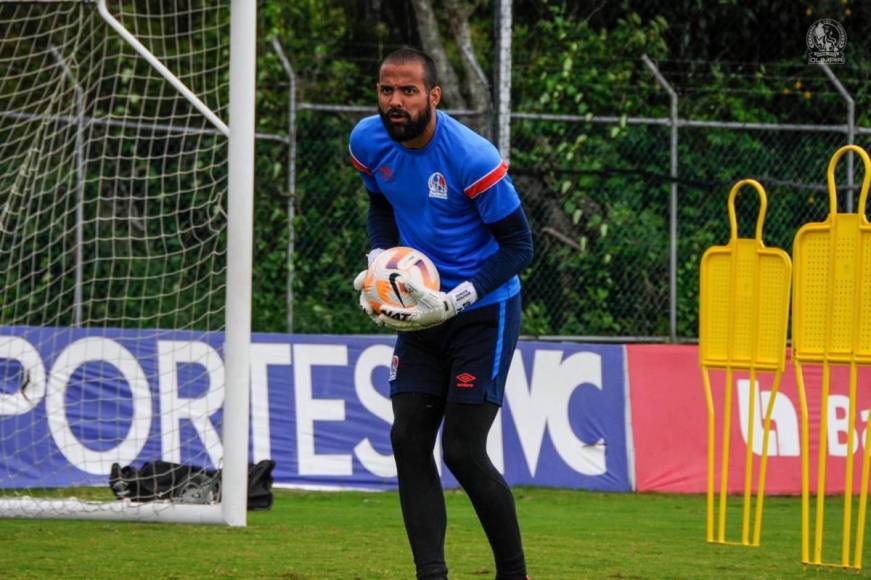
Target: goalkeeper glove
358 285
432 308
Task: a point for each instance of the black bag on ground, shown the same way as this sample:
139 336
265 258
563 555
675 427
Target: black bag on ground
260 485
162 480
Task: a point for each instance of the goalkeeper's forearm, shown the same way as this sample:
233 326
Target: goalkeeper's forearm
381 223
514 237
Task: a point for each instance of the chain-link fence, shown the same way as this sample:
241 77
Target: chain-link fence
598 203
614 260
621 208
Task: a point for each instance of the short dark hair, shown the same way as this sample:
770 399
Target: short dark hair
408 54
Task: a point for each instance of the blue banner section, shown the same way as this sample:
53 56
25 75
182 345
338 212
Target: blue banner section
73 402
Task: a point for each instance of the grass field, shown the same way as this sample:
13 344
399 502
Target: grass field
349 535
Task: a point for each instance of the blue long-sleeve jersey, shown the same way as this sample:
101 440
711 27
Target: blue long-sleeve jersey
450 199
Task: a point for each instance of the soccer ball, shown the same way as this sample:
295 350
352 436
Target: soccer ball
381 286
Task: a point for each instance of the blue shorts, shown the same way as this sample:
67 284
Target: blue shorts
464 360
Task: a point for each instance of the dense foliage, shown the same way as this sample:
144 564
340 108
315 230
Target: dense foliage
598 195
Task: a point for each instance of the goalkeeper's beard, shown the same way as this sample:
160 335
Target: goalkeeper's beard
413 127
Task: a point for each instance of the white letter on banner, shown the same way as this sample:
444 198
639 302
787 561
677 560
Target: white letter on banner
263 355
31 387
495 449
103 350
583 368
783 439
545 402
370 359
528 409
309 410
171 353
839 416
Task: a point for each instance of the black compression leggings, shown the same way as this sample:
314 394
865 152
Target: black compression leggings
416 421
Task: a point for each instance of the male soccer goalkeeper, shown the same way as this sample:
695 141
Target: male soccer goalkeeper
437 186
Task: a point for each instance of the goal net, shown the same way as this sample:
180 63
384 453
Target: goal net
117 267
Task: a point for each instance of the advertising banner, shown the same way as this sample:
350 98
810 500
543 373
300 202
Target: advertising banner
320 408
669 423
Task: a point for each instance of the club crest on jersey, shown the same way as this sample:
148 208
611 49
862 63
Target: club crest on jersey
438 187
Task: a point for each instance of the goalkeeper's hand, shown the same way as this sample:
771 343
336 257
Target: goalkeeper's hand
432 308
358 285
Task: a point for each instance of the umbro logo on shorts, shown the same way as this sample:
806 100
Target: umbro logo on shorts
466 381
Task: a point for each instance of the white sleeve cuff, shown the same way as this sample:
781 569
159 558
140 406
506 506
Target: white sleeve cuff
463 296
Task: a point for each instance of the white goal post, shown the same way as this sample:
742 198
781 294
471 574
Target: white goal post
126 243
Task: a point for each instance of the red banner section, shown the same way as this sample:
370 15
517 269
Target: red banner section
669 423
